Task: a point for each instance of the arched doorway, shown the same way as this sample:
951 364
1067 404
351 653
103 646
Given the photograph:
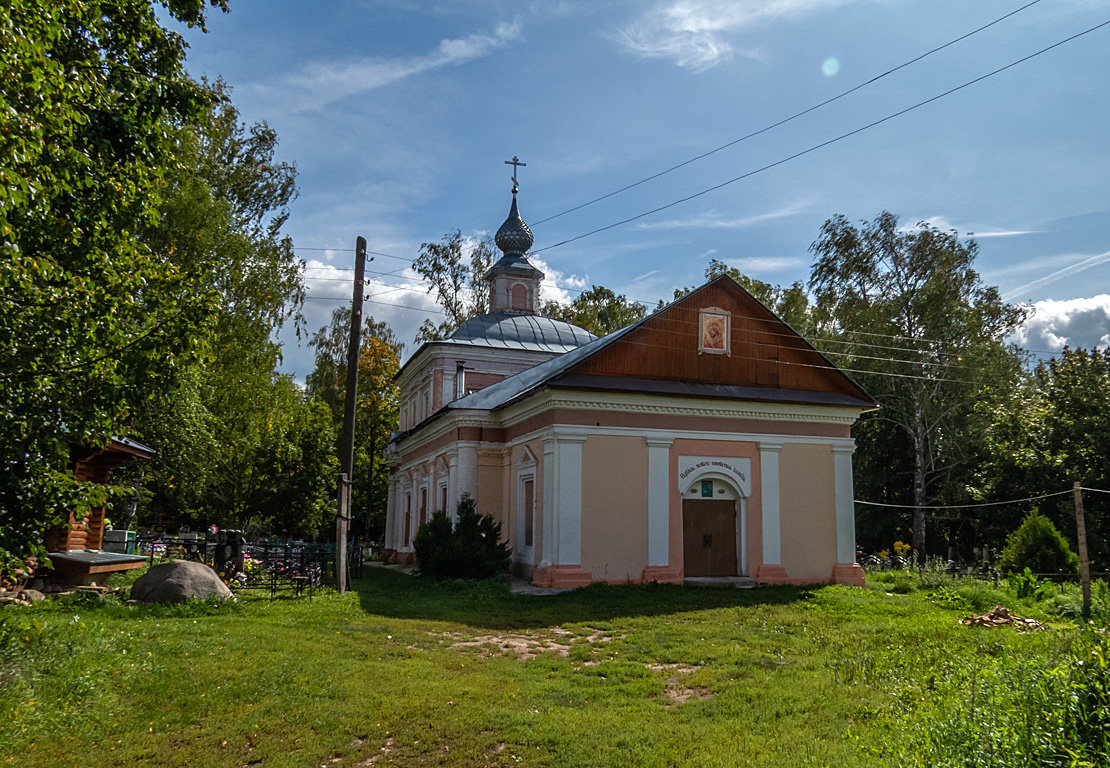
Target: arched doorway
714 527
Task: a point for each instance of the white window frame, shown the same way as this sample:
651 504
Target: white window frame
525 471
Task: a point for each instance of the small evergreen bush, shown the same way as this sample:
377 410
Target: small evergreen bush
1038 546
471 549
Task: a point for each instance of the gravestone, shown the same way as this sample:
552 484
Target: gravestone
229 553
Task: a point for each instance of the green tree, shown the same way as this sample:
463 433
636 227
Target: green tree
290 484
458 281
910 317
598 310
220 222
1038 546
93 320
471 548
1053 429
375 409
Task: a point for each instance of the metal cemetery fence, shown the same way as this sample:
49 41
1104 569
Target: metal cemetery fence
294 568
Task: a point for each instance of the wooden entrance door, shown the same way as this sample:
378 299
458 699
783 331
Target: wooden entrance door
709 537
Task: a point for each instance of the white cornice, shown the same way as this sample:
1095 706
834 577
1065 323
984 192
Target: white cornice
610 402
678 406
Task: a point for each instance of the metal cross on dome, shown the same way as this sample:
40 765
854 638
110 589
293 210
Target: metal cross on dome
515 163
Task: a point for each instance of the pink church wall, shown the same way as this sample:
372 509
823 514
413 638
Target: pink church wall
807 508
614 507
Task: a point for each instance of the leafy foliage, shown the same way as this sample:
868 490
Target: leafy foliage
881 293
375 408
1051 430
236 445
470 549
598 310
94 320
1037 545
459 284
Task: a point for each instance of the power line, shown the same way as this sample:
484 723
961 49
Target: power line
823 144
815 344
973 506
646 303
772 126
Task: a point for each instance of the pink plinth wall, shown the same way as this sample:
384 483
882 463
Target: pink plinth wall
772 574
403 558
665 574
847 573
561 576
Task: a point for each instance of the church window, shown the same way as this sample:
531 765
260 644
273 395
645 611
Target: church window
525 533
529 508
520 297
408 518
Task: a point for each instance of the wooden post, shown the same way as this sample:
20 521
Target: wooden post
1084 565
347 442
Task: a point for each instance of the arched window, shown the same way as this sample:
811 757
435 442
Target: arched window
520 297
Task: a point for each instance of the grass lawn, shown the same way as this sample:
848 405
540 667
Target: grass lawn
404 672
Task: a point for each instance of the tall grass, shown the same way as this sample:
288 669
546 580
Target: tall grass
1020 712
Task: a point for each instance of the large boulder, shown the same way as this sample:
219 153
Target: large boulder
176 581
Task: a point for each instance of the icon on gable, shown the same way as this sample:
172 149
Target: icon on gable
714 333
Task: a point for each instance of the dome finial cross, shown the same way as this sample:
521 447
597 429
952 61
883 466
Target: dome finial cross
515 162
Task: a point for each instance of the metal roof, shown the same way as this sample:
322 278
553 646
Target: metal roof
507 330
514 386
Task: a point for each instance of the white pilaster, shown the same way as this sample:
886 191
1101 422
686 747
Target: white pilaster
568 494
466 476
452 484
390 514
550 544
845 507
659 512
769 493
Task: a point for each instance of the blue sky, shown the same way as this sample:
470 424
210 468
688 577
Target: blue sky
399 116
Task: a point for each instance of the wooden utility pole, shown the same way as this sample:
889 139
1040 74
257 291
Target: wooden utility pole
347 442
1084 564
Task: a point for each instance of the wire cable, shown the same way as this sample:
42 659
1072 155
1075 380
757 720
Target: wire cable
968 506
823 144
772 126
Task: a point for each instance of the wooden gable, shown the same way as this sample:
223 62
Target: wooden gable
763 352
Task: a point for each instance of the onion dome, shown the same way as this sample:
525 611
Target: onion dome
514 238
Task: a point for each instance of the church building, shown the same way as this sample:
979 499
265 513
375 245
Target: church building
707 440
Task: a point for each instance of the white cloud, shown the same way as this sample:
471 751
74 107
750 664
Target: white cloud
979 233
753 264
1083 263
695 34
1074 322
321 83
717 221
556 286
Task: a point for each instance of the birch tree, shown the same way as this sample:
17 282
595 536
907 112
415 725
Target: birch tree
911 318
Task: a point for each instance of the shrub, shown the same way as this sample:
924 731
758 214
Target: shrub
471 549
1037 545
